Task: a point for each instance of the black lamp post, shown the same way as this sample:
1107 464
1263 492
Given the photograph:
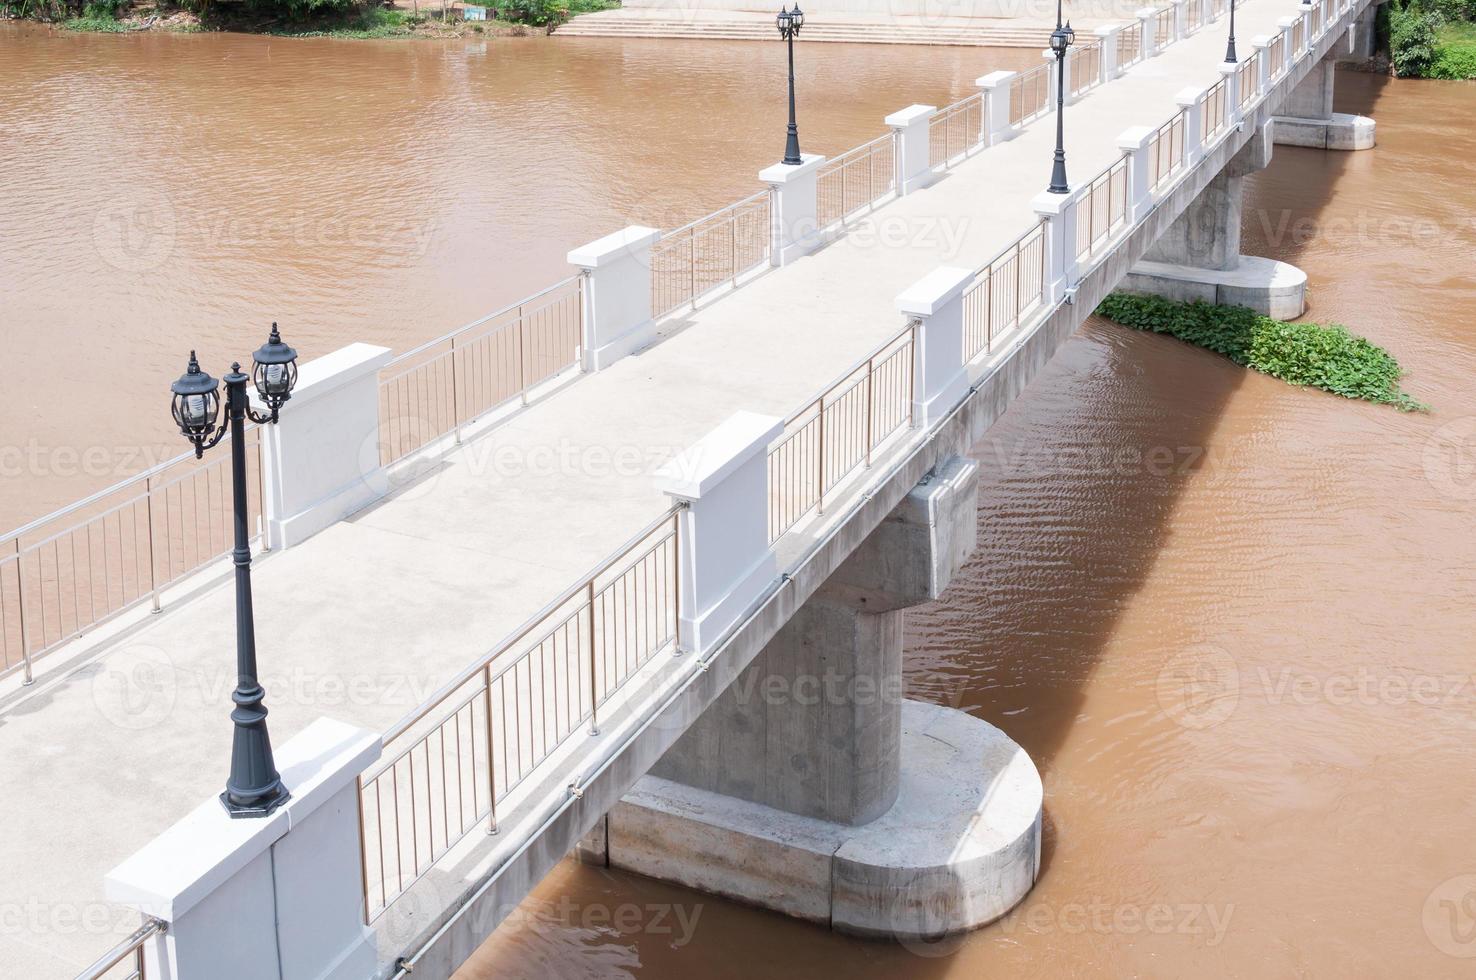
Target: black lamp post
254 788
1230 48
1061 39
790 22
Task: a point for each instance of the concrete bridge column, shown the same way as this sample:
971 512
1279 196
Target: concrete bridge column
1306 117
1198 257
997 125
812 787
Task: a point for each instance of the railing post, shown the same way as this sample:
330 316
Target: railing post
1260 45
1146 16
492 826
289 887
1206 11
617 294
1134 143
914 171
1181 19
1232 94
997 125
594 679
1059 211
1289 56
1050 59
1108 35
723 534
25 633
795 225
936 303
320 462
1191 100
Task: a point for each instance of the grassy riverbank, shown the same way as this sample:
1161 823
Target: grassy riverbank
1431 38
1325 357
301 18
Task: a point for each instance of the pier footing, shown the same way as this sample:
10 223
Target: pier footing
1276 289
959 848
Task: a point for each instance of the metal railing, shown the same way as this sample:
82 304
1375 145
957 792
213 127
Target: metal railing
1276 51
1163 27
1213 110
1130 45
1193 16
80 566
955 130
1102 210
454 760
1218 8
832 436
1004 292
710 252
1030 94
127 960
1248 79
855 180
443 384
1086 67
1299 36
1166 152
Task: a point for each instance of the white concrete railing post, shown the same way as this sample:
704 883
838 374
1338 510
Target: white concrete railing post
1287 24
910 127
997 125
1181 19
1108 35
1206 11
286 889
1150 36
725 561
1232 94
940 379
1050 60
1059 211
617 294
1134 143
1259 45
794 215
1191 100
320 461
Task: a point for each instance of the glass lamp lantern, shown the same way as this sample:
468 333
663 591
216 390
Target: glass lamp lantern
196 404
274 371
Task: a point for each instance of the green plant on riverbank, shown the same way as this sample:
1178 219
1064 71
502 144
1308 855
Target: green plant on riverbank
548 13
1325 357
1431 38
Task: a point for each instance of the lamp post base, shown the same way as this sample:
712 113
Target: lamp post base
263 808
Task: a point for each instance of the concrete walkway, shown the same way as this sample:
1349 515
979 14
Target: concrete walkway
367 619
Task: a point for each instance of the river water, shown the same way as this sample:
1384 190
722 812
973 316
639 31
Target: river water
1230 620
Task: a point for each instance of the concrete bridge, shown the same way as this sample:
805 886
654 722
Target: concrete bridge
621 568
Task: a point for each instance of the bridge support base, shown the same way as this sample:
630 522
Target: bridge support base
959 848
1307 117
1276 289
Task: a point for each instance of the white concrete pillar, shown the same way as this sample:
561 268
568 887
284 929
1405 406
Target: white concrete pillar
1259 45
1108 35
997 125
617 294
1150 36
320 462
275 898
794 215
1207 12
1191 100
1134 143
1059 211
940 380
725 558
1181 19
1232 94
910 129
1050 59
1286 24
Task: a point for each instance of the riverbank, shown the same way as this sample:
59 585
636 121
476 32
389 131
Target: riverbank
296 18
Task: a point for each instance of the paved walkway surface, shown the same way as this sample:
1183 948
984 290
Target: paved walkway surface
367 619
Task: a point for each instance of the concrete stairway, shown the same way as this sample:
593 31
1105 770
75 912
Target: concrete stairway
746 26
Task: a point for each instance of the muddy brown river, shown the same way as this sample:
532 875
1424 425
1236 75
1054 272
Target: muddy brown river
1230 620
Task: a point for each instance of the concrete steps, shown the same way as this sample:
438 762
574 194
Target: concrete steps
620 23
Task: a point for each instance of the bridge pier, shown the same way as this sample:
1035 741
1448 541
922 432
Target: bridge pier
1198 257
814 788
1307 117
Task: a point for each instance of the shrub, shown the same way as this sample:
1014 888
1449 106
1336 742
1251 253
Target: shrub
1453 62
539 13
1412 39
1329 358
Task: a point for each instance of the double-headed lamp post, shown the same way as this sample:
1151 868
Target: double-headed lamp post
790 22
254 788
1061 39
1230 47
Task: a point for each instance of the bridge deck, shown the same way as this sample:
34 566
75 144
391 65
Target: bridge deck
367 619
